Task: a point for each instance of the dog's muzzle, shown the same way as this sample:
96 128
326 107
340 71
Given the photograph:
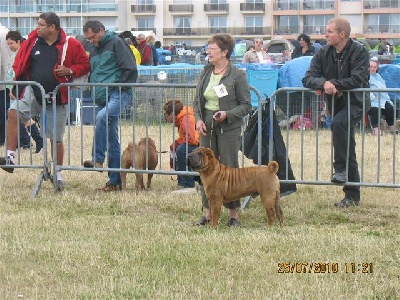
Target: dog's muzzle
193 161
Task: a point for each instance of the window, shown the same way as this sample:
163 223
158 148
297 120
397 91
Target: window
145 2
217 1
253 25
316 24
384 23
145 23
183 25
217 24
74 6
288 24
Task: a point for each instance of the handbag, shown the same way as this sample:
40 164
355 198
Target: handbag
82 79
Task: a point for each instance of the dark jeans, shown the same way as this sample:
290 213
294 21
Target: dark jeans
24 138
4 105
181 165
340 129
388 112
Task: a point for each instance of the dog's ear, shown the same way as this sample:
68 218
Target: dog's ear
209 153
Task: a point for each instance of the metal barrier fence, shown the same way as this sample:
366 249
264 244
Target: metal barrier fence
306 124
27 159
308 148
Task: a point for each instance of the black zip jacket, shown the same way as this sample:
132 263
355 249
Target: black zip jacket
346 72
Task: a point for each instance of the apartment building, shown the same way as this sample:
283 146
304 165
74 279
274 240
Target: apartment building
193 21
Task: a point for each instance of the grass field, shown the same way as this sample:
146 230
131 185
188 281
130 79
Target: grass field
82 244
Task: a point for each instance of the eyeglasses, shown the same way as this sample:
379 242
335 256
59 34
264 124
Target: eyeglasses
92 37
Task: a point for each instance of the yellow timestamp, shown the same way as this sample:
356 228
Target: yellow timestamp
326 267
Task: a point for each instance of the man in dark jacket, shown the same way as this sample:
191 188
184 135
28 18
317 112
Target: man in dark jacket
339 66
111 61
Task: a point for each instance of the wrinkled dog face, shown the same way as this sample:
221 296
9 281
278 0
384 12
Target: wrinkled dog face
198 159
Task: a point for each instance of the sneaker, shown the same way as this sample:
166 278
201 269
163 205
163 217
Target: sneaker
6 161
91 164
185 191
203 221
233 222
347 202
339 177
110 188
60 185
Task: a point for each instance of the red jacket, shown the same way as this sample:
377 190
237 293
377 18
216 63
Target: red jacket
76 59
146 53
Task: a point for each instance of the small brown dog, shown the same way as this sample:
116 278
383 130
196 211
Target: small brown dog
139 153
224 184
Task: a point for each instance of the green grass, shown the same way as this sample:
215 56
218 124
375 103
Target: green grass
82 244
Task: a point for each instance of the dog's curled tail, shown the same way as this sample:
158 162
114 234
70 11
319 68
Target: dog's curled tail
273 166
130 146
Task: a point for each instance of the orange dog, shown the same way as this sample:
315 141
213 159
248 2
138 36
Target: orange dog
224 184
138 152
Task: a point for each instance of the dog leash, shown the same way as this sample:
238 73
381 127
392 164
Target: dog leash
211 131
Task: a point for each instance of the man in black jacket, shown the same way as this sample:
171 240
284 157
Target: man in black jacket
339 66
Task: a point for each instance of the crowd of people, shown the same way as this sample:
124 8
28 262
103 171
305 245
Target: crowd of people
222 97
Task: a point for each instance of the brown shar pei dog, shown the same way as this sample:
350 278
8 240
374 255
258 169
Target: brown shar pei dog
138 152
224 184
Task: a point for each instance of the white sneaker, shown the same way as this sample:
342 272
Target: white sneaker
185 191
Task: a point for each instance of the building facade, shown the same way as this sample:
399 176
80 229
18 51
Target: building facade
194 21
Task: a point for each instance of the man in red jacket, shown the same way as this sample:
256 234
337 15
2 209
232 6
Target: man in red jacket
39 60
145 50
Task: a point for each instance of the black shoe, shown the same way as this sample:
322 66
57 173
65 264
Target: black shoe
203 221
233 222
6 161
35 134
25 146
339 177
347 201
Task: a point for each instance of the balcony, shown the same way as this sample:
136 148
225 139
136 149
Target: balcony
206 32
143 9
181 8
285 30
318 5
286 6
379 29
144 29
312 30
252 7
379 4
216 8
305 5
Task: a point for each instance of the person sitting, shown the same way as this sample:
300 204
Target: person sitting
383 47
380 101
256 55
183 118
305 49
